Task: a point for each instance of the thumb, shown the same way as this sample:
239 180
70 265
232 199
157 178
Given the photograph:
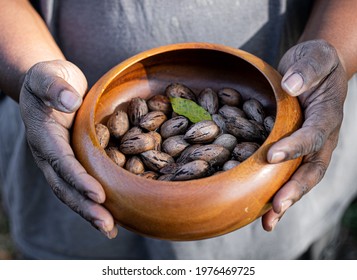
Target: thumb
306 65
59 84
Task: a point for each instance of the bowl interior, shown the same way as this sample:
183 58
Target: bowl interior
196 68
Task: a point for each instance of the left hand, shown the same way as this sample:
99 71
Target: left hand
312 71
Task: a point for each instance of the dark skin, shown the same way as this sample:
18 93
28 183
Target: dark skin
324 66
50 89
323 112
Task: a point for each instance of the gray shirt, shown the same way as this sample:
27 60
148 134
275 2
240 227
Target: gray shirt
98 36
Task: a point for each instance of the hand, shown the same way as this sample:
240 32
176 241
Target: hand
51 93
313 72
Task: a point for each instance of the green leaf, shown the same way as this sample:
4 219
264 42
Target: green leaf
189 109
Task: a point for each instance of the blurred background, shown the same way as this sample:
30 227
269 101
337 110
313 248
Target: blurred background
7 250
346 245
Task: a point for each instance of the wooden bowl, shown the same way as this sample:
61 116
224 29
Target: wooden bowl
200 208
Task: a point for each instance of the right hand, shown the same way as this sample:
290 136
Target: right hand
314 72
50 95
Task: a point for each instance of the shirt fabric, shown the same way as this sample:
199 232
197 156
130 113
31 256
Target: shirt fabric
97 35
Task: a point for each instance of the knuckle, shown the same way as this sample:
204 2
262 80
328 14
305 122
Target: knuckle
62 189
315 170
304 189
326 48
313 139
320 168
64 165
318 139
314 67
301 188
76 206
323 48
42 77
300 51
317 58
58 165
310 144
57 189
75 202
37 81
64 73
55 163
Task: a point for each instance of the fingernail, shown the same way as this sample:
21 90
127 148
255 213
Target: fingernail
113 233
110 234
285 205
107 234
277 157
69 100
274 223
293 84
94 197
100 226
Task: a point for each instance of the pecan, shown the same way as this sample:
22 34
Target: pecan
137 144
180 90
174 145
103 134
254 110
152 120
220 121
155 160
192 170
116 156
174 126
149 175
185 155
244 150
130 133
160 103
135 165
244 129
228 112
118 123
226 140
202 132
215 155
229 96
157 138
269 122
137 108
230 164
208 100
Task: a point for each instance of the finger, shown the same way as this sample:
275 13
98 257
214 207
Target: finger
56 150
96 214
301 183
304 179
308 175
323 118
302 142
49 82
54 147
271 219
309 64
